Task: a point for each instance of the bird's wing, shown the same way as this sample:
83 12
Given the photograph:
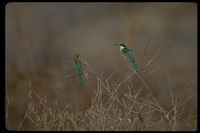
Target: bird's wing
129 54
78 67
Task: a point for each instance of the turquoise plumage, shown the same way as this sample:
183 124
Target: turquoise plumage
128 54
78 68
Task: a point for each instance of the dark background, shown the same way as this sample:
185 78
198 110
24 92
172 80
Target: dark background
41 36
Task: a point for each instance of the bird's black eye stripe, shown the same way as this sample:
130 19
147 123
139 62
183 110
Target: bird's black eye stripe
122 45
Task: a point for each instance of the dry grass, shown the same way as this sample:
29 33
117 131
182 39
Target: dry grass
114 107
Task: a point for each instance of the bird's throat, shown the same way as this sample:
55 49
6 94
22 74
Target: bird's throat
121 47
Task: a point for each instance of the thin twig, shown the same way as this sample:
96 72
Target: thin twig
146 48
154 56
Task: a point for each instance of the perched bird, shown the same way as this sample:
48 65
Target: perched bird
128 54
77 65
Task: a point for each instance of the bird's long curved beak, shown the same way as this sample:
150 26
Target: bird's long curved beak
117 44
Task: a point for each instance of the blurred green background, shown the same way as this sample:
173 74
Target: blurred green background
41 39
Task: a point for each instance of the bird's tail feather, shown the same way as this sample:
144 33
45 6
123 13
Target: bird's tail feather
136 67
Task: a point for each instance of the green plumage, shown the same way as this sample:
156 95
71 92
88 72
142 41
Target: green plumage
78 68
128 54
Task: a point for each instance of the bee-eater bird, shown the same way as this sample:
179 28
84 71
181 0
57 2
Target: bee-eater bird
128 54
77 65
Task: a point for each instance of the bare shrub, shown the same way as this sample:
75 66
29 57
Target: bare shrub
114 107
